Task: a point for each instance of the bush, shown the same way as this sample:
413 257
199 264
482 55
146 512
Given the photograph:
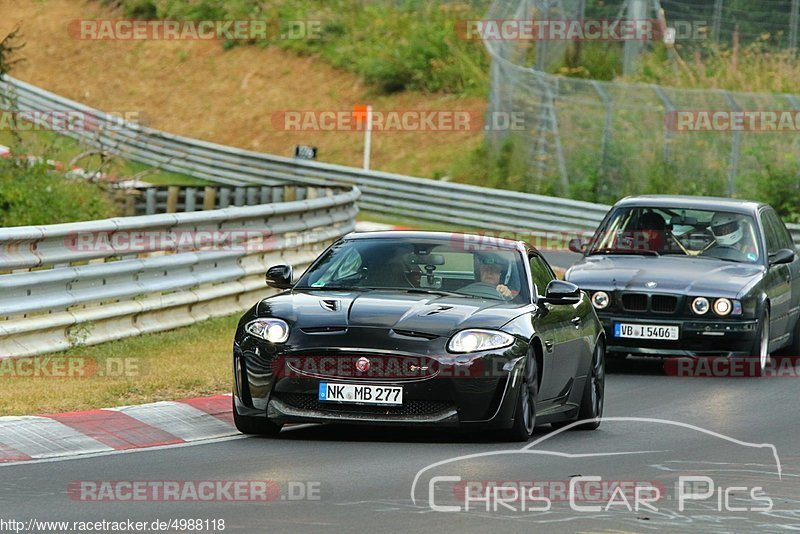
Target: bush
33 195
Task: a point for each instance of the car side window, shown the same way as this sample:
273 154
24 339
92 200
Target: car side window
773 241
541 273
784 237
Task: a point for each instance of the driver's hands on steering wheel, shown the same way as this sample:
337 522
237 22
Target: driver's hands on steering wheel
504 290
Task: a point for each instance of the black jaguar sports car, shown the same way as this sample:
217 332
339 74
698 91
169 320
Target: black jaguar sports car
693 276
420 328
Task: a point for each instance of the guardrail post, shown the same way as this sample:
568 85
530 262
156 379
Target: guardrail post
735 142
252 196
150 206
190 199
210 198
238 196
172 198
289 193
224 197
265 195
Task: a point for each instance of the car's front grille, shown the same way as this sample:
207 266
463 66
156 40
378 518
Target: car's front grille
305 401
642 302
634 301
663 303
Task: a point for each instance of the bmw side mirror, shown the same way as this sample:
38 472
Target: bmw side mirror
784 255
578 244
561 292
280 276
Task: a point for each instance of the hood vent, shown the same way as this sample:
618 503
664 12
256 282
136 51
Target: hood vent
439 309
414 333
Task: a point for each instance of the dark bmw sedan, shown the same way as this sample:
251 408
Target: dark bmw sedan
421 328
693 276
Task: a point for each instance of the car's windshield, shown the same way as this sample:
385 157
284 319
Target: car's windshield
679 231
420 266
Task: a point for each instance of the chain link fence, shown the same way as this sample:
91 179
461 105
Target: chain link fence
599 141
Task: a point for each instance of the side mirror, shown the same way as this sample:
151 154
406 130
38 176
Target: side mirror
784 255
578 244
561 292
280 276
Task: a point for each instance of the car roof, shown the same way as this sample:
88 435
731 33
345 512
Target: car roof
692 202
479 241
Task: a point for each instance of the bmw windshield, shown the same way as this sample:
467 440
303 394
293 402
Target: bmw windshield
422 266
679 231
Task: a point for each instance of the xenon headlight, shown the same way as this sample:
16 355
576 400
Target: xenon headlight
479 340
700 305
272 330
600 300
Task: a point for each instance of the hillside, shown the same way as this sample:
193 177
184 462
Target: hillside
199 89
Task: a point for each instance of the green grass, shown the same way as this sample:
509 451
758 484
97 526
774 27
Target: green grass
185 362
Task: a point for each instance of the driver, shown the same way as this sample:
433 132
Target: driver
490 269
729 232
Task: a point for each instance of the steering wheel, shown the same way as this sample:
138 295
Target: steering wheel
725 252
482 289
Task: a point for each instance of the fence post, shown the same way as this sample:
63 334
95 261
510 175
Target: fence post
735 145
210 198
668 108
172 198
717 21
793 21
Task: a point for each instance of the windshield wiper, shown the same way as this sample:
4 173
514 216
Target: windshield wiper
624 251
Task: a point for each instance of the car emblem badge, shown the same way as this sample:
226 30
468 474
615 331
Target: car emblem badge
362 365
651 285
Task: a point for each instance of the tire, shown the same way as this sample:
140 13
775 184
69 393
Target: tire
525 411
593 398
259 426
760 348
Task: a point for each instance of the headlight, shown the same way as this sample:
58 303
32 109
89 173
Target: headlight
600 300
722 307
700 305
272 330
479 340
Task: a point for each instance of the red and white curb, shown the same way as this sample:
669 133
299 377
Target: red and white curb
115 429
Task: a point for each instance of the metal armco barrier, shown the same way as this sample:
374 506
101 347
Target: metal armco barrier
462 205
84 283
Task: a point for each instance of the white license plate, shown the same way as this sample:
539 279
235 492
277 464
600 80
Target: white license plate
646 331
360 394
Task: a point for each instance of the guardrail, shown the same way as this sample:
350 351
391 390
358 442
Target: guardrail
392 194
89 282
463 205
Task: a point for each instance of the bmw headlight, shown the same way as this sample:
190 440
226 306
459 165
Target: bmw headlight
600 300
722 307
269 329
700 305
479 340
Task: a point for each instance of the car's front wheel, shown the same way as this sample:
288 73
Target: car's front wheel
525 411
254 425
758 358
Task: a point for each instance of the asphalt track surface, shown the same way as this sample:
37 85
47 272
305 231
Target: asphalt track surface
741 435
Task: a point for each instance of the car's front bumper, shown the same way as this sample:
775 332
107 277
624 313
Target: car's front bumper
469 391
697 337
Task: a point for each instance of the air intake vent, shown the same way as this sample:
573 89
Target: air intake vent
439 310
634 301
663 303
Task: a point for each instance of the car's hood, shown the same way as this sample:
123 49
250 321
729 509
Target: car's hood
428 314
671 274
